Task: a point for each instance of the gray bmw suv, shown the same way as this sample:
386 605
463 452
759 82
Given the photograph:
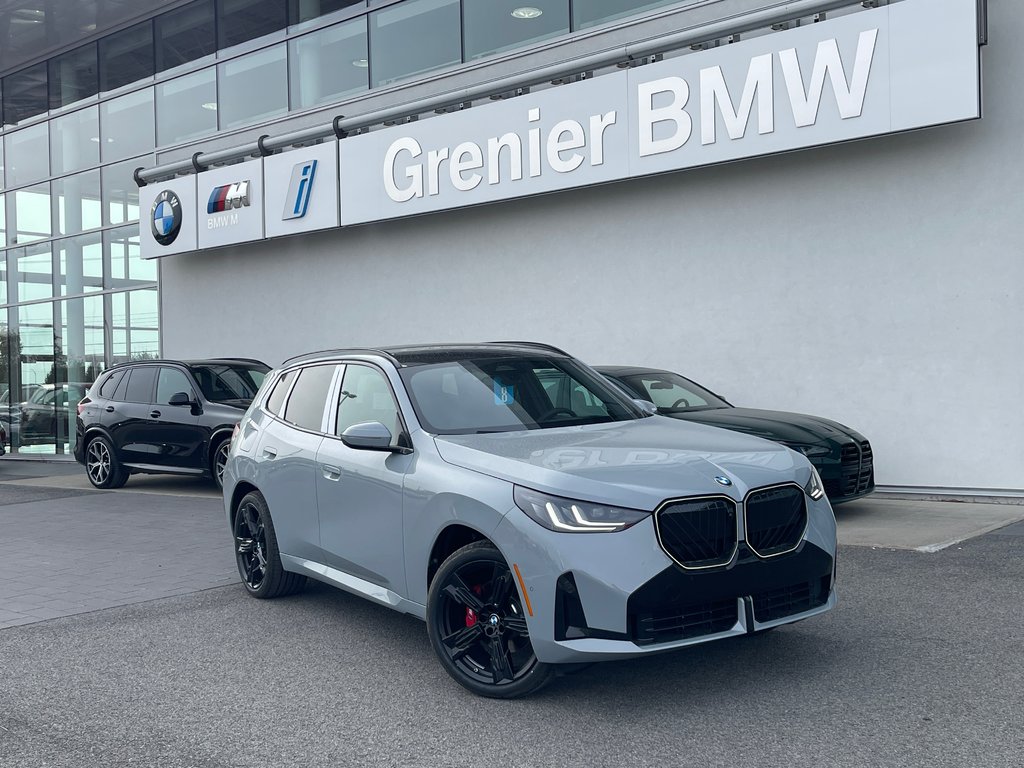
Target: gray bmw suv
521 505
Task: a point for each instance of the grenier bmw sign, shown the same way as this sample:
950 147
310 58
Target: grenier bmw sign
907 65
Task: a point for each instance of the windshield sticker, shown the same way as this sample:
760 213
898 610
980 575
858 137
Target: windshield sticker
504 394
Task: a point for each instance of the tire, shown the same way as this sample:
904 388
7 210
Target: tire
256 552
102 466
218 457
477 627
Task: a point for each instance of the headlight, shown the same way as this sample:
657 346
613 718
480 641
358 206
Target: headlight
809 450
568 516
814 487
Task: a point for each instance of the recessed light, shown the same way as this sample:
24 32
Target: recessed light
526 12
210 105
96 139
361 63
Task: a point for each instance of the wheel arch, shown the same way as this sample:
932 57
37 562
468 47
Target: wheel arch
97 431
222 432
242 488
449 540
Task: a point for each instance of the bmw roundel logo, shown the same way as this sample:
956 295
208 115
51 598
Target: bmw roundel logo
165 218
722 480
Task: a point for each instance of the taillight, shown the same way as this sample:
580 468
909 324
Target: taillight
82 404
235 431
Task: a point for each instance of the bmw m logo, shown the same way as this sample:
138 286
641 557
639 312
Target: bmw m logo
165 217
229 196
723 480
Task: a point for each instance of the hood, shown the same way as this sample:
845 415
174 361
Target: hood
773 425
634 464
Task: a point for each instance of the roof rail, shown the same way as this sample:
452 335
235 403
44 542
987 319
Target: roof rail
343 351
537 344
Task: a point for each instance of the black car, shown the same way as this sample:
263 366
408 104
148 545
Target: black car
841 455
159 416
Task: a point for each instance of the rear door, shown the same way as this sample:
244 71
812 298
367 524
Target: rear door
175 428
129 425
286 457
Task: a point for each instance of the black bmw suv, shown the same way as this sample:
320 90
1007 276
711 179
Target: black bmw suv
163 416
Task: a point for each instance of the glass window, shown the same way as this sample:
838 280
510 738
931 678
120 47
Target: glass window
3 240
25 94
366 396
329 64
127 268
109 385
413 37
80 264
73 77
276 399
184 35
186 107
31 219
33 272
120 192
305 10
140 385
171 382
306 405
587 13
1 166
127 125
32 369
242 20
490 27
79 360
27 155
77 202
230 383
253 87
126 56
134 325
75 140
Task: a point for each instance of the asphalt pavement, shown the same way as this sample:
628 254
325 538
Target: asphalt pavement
920 665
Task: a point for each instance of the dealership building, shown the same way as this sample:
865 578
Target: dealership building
805 206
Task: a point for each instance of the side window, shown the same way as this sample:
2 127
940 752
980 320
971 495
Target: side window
309 396
140 385
109 385
276 399
366 396
170 382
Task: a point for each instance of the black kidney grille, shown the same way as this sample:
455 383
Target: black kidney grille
791 600
699 533
685 621
776 518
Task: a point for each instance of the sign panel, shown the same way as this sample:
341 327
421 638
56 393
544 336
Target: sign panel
301 190
167 217
908 65
229 206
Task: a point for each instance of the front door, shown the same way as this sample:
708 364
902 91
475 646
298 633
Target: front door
359 492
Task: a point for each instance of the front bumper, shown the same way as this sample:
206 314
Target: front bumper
618 595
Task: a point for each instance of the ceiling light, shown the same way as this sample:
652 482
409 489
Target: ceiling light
210 105
96 139
526 12
361 63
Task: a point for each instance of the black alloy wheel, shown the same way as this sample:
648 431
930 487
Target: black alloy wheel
256 552
101 465
477 626
219 461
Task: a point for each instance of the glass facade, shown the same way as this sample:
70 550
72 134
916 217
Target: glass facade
75 297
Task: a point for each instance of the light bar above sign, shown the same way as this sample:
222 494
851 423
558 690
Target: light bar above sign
906 65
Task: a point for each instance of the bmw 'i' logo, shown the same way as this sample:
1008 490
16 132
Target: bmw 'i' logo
722 480
165 217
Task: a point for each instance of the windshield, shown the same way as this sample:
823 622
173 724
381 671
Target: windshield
222 382
671 392
508 394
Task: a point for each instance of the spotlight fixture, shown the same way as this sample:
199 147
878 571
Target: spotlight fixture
526 12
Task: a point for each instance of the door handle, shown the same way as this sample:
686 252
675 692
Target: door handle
331 472
110 409
269 452
155 414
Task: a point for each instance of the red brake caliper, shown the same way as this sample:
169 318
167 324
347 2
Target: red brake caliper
470 613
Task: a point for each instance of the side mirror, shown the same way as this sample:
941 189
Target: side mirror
646 406
368 436
180 398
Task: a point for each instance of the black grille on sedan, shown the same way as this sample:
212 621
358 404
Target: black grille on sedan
856 470
789 601
698 533
683 622
775 519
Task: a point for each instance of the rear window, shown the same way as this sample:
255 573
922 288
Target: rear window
109 385
306 403
140 385
276 399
